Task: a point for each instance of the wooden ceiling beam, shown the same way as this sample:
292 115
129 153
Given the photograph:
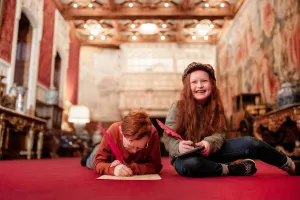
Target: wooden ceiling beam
111 5
187 5
114 43
73 29
148 4
136 13
179 28
102 45
117 27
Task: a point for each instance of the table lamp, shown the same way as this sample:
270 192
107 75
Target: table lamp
79 115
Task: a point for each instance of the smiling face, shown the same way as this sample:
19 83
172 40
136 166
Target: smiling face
201 86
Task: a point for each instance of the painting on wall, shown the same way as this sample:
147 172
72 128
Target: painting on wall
1 12
262 47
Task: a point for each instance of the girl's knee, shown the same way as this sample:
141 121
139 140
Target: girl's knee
251 143
188 166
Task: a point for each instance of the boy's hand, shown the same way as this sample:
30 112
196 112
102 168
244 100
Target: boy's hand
115 163
122 170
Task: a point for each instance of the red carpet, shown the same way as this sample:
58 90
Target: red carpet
66 179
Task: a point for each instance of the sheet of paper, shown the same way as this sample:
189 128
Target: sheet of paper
150 177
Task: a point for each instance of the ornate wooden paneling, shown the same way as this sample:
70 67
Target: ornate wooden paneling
33 126
273 121
111 23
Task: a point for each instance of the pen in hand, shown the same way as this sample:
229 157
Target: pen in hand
121 169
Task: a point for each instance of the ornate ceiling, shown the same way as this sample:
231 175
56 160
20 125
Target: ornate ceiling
108 23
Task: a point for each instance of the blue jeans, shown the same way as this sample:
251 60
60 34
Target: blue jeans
197 165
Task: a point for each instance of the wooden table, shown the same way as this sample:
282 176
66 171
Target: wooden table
22 122
275 119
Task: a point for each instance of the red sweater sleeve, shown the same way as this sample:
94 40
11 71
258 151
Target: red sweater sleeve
153 164
103 157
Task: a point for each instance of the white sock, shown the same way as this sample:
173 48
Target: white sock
288 166
225 170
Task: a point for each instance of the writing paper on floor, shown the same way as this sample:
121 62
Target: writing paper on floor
150 177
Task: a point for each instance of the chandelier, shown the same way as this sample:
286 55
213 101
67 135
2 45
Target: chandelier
94 29
148 29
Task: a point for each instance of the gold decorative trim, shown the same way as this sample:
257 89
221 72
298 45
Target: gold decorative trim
275 119
29 124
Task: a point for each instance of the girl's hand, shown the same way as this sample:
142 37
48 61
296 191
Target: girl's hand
206 150
185 146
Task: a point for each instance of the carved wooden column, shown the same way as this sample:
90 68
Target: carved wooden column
40 144
2 130
29 141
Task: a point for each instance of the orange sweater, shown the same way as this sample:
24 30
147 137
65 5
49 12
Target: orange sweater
145 161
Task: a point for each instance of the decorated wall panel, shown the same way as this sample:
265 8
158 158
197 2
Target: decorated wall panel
73 70
98 82
45 61
7 30
259 50
61 45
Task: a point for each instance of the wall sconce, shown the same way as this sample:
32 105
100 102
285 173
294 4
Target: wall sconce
79 115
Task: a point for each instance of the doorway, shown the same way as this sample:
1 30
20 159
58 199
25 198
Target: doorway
21 75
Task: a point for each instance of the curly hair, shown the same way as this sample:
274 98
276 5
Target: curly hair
136 124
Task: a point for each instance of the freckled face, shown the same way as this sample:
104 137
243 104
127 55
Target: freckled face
200 85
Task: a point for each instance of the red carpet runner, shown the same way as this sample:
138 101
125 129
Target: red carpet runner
66 179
